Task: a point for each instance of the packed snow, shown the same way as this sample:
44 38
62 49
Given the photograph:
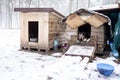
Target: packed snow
25 65
80 50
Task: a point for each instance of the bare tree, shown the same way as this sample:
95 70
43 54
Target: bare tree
116 1
28 2
7 15
1 13
70 6
88 3
9 12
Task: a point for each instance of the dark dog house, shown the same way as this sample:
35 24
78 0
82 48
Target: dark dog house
91 24
104 32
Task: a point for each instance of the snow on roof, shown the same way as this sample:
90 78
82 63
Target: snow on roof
25 10
105 7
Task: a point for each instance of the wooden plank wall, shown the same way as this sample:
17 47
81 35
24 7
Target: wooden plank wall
71 36
97 32
42 19
56 28
100 37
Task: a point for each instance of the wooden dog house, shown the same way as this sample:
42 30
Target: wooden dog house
91 23
40 27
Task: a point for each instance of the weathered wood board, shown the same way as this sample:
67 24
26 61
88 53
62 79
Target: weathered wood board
84 51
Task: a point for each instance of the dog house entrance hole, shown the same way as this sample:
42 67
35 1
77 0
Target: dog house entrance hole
84 32
33 31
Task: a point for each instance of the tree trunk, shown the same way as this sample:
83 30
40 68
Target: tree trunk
70 6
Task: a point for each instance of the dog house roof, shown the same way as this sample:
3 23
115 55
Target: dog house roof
83 16
26 10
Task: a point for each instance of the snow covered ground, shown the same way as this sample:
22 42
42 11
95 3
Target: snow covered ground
21 65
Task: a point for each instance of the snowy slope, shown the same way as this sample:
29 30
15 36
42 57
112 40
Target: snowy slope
21 65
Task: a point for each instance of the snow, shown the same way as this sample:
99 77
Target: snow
23 65
80 50
57 54
103 7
